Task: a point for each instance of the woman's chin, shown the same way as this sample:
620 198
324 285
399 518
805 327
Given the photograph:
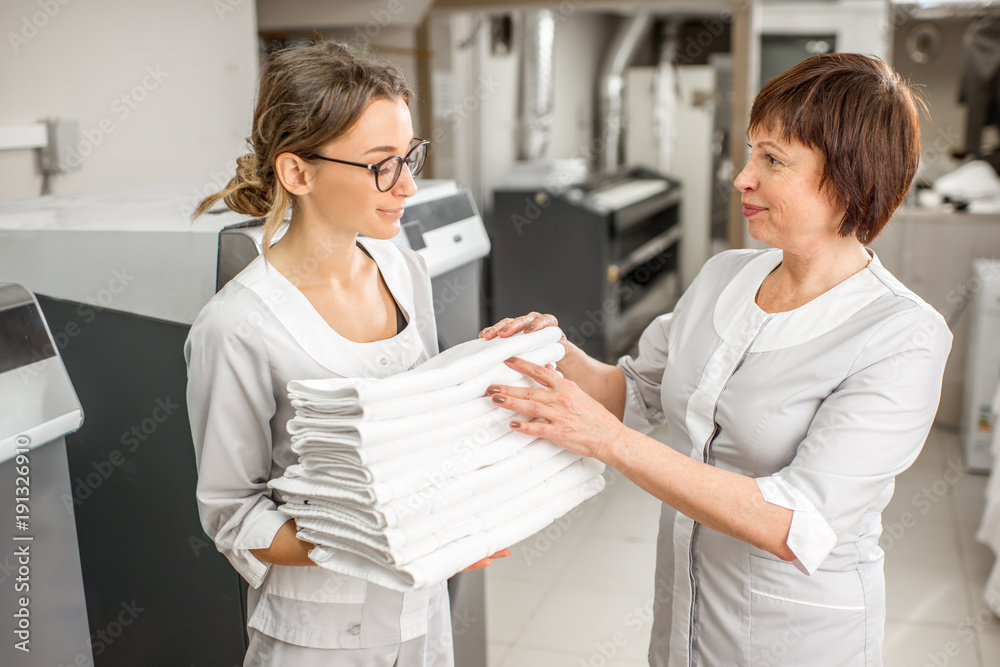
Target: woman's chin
384 230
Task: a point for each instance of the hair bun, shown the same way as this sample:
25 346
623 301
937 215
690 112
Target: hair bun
247 193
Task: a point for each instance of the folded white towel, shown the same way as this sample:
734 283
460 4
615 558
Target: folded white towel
408 474
405 480
457 555
368 442
457 527
421 514
455 376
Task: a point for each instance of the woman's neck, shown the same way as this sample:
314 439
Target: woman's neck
801 277
820 270
312 252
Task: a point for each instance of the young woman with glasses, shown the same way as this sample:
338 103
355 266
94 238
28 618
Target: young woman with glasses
333 297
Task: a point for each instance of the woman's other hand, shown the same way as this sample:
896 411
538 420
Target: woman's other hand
572 418
509 326
486 562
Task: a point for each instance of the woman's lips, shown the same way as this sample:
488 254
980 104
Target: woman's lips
392 213
750 210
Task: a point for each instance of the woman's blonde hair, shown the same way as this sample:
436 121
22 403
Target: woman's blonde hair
308 96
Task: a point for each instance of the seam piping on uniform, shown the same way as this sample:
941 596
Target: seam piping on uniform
808 604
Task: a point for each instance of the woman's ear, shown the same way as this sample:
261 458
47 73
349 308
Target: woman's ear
294 173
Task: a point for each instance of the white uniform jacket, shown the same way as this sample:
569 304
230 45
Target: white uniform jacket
823 405
253 337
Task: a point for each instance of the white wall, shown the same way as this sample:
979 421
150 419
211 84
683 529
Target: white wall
186 69
580 47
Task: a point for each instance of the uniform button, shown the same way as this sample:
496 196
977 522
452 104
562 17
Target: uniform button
354 629
384 361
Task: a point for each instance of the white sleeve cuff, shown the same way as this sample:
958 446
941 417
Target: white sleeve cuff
810 537
257 534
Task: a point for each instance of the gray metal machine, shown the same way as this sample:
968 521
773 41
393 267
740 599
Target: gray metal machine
120 276
601 255
42 606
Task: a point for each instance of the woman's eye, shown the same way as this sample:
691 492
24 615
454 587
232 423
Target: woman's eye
772 161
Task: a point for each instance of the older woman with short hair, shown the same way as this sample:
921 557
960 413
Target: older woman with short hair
798 382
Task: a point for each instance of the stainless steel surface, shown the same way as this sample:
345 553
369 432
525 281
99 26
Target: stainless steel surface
43 612
48 575
39 404
536 92
611 84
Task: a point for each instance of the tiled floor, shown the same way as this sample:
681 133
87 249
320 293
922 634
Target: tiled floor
576 594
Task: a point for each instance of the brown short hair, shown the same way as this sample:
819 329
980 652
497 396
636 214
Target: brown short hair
308 96
861 115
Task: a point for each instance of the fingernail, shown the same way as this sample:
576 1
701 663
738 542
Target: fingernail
492 389
515 424
509 361
499 399
503 328
530 327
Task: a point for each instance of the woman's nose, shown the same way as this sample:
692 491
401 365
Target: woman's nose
405 185
745 180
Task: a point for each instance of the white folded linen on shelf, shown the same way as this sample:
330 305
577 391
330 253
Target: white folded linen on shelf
401 479
455 556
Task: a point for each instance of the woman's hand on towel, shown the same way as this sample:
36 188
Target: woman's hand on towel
571 418
486 562
509 326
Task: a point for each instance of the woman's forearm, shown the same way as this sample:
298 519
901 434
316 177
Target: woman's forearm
724 501
604 382
286 548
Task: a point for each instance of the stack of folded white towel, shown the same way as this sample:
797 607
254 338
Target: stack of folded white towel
406 480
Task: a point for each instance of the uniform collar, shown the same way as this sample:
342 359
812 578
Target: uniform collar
736 305
320 341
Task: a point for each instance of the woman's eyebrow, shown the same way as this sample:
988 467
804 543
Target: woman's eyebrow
773 146
381 149
387 149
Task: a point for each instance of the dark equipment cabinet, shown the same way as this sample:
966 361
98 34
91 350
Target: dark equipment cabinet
602 256
144 558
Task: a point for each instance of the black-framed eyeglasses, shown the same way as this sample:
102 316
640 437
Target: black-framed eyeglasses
387 171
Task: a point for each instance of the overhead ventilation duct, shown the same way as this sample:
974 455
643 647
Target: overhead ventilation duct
612 83
537 88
